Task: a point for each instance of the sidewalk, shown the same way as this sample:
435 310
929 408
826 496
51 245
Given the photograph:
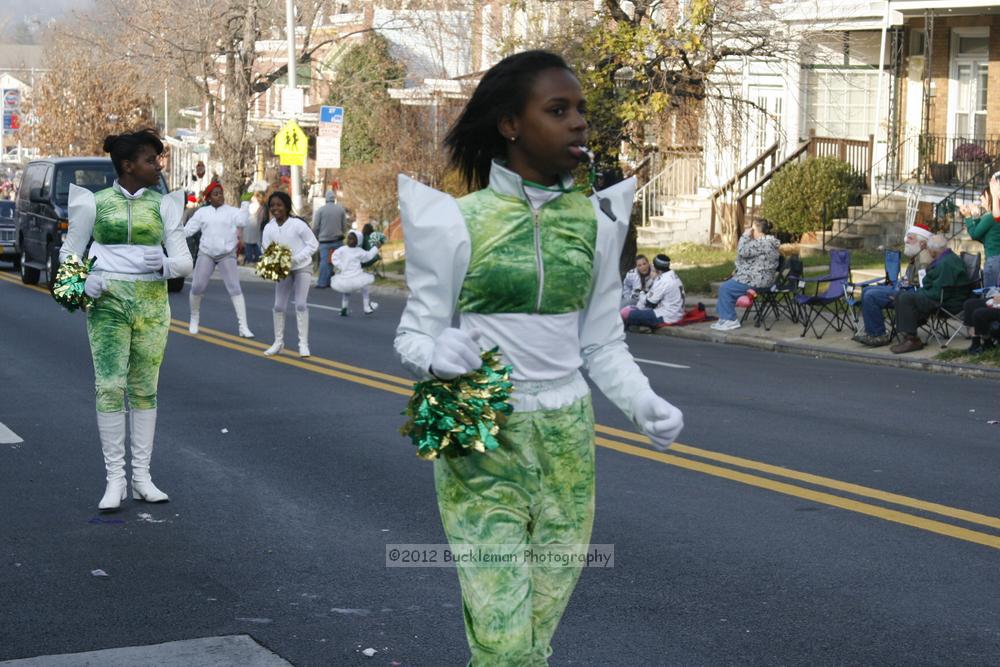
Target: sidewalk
785 336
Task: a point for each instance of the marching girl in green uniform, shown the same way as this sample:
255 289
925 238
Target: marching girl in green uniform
129 319
530 264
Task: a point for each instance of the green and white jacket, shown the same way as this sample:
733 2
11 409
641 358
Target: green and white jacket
541 283
122 226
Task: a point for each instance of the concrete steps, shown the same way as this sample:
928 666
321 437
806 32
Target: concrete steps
685 218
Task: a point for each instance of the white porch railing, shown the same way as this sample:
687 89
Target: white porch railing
679 174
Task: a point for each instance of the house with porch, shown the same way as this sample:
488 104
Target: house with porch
901 89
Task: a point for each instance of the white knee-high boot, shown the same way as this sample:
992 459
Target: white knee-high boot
240 306
302 320
111 427
143 431
279 334
195 313
369 305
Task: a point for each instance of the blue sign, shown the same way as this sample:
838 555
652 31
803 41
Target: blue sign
331 115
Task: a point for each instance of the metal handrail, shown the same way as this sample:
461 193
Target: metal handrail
974 185
682 173
890 166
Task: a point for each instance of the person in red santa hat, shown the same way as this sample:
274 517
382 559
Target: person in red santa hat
875 298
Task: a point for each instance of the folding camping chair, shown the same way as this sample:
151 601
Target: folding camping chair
763 303
893 263
830 307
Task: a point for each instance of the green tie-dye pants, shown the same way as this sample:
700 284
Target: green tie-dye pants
128 327
536 490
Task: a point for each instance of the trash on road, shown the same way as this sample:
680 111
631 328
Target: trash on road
99 573
225 430
369 652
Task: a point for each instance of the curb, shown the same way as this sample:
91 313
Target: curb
931 365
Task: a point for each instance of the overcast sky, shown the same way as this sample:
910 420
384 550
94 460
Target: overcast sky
15 10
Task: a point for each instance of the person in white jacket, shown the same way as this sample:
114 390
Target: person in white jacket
530 265
350 277
287 230
218 223
129 319
662 303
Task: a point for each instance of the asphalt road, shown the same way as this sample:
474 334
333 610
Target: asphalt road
814 512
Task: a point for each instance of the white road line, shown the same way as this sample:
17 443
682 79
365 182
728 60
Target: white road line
659 363
316 305
8 437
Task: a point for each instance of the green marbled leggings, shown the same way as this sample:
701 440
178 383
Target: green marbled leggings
128 327
536 489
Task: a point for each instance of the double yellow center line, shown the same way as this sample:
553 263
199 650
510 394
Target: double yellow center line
806 486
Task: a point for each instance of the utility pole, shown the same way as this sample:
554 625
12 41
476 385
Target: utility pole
296 184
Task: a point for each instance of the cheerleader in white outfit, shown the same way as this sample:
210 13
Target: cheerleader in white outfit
287 230
219 224
350 277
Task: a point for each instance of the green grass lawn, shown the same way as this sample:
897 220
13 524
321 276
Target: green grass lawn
990 358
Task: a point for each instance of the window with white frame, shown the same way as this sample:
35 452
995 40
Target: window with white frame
841 102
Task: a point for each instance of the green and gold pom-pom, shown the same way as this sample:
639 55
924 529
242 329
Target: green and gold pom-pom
68 287
276 262
376 239
460 416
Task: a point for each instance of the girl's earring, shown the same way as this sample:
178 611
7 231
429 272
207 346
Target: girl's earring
513 140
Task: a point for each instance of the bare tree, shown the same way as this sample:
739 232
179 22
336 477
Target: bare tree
210 46
82 98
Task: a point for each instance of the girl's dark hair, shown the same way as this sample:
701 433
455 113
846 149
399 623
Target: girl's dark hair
367 229
640 256
126 146
473 141
285 199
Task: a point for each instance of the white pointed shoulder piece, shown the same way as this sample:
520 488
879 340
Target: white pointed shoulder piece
172 208
81 211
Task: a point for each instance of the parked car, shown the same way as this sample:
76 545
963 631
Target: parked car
7 232
41 219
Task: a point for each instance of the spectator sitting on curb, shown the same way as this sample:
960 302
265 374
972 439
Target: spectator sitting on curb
756 261
662 303
874 298
637 280
945 276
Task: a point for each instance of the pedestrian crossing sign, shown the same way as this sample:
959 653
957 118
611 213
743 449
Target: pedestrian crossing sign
291 144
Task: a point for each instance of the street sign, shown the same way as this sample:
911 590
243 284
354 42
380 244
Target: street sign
331 129
292 100
11 98
291 144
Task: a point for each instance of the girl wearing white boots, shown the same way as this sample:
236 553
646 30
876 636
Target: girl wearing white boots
287 230
218 223
129 320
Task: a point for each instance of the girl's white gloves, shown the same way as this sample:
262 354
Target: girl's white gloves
660 421
95 285
456 352
153 257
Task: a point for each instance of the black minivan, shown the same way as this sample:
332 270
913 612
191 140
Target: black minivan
42 200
